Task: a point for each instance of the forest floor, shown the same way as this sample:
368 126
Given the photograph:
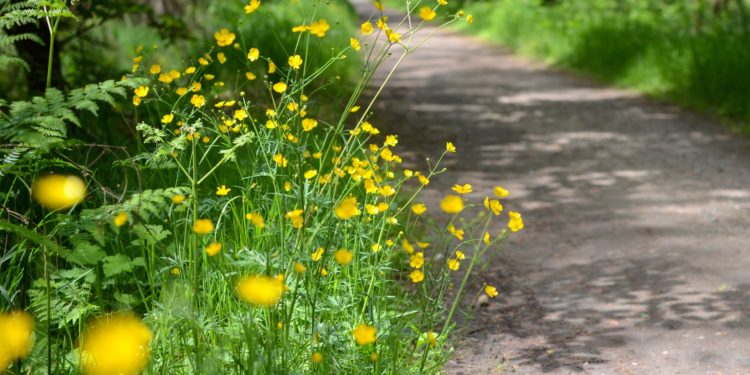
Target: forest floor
636 254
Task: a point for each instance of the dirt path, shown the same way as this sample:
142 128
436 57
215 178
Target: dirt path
636 254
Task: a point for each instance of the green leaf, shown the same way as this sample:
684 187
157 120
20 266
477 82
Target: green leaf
116 264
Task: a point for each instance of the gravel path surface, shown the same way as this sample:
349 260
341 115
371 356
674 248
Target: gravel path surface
636 254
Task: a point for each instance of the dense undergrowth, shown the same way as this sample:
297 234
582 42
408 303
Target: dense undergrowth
254 220
685 51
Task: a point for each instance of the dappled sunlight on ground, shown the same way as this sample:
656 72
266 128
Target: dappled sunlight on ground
637 241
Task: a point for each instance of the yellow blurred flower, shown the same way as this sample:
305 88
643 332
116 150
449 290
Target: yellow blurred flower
299 267
310 174
252 6
317 357
295 62
343 256
354 42
462 189
178 198
221 57
449 147
155 69
141 91
317 254
453 264
213 248
295 216
166 119
416 260
260 290
364 334
486 238
256 219
121 219
452 204
115 344
319 28
516 222
500 192
203 226
416 276
16 328
309 124
458 233
224 37
222 190
426 13
366 28
279 87
419 208
347 209
280 160
491 291
57 192
250 76
197 100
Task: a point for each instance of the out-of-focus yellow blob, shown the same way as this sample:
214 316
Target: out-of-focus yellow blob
58 192
116 344
15 336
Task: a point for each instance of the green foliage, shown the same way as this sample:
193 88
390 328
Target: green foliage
678 50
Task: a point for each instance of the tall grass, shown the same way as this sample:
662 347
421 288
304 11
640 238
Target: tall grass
269 230
653 46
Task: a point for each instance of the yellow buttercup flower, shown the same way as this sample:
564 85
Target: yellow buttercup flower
252 6
319 28
419 208
452 204
115 344
317 254
364 334
393 36
16 328
280 160
299 267
354 42
416 276
279 87
500 192
310 174
178 198
253 54
343 256
222 190
516 222
166 119
121 219
469 19
493 205
155 69
309 124
453 264
491 291
416 260
271 67
250 76
316 357
458 233
295 216
408 247
295 61
213 248
426 13
57 192
197 100
486 238
224 37
347 209
449 147
431 338
460 255
141 91
366 28
256 219
260 290
463 189
221 57
203 226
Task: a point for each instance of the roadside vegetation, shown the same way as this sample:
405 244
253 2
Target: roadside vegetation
219 201
691 52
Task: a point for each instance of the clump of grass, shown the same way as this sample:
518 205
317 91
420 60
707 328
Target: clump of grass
268 236
656 48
